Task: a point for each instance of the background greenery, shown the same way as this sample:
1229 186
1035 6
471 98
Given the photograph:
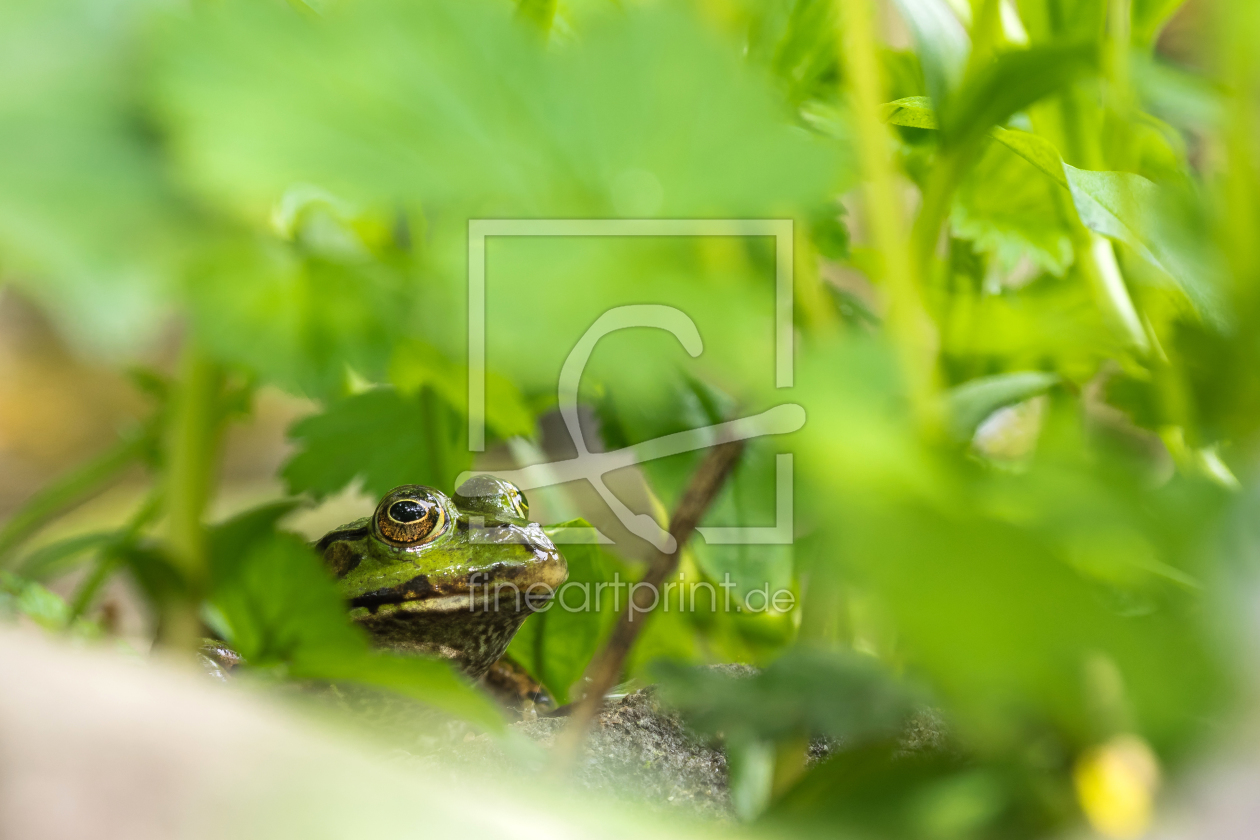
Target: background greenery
1026 344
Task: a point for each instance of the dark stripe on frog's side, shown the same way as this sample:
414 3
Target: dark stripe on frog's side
419 587
413 590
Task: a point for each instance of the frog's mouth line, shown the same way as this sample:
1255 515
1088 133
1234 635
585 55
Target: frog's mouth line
483 591
463 602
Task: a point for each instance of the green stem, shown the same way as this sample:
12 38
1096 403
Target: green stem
1239 27
937 197
908 323
191 456
67 492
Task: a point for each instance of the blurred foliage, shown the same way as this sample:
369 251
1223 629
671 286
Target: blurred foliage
1032 413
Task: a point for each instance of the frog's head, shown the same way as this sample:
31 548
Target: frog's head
448 576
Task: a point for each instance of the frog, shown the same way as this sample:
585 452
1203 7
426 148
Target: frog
447 576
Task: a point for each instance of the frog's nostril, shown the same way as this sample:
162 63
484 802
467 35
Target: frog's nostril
406 511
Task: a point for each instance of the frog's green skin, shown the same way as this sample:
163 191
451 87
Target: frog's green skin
462 591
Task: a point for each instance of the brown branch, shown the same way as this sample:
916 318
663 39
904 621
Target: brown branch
605 668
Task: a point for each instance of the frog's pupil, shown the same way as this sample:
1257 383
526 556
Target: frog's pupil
406 511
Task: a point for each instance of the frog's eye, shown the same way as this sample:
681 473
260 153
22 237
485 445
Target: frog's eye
410 517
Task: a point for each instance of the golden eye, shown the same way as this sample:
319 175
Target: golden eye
407 518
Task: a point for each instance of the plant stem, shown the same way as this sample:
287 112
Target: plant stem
908 323
192 451
1239 25
605 669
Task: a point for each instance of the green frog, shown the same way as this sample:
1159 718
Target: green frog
446 576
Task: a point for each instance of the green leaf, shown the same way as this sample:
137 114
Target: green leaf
278 605
278 599
1038 151
89 227
804 692
555 646
885 790
429 681
1124 207
796 42
1149 17
383 438
1010 214
1011 83
28 598
300 320
972 402
942 42
383 101
539 13
1119 205
417 364
912 112
228 542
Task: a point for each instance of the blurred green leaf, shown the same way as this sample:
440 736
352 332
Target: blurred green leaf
1124 206
943 45
383 438
89 226
884 790
277 599
1011 83
277 605
1149 17
750 765
397 99
428 681
802 693
416 365
795 39
302 321
34 601
912 112
1011 213
228 542
972 402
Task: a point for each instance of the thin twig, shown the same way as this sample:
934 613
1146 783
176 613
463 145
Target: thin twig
605 669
